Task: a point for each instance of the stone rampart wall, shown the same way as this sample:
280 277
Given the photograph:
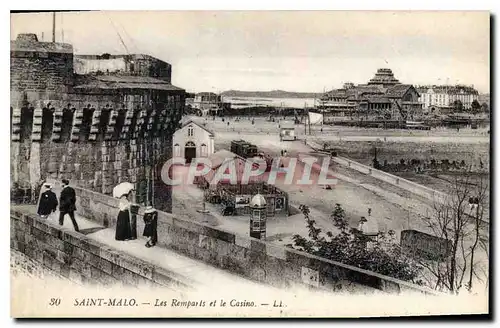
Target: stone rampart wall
249 257
81 259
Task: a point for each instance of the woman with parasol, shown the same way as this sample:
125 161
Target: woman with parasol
123 229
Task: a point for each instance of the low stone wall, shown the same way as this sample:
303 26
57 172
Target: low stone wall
408 185
252 258
81 259
405 184
394 151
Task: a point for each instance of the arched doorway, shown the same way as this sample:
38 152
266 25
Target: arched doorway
189 151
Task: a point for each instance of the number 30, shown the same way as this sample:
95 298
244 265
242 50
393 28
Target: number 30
55 302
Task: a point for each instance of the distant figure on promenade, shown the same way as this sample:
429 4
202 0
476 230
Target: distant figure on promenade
123 229
150 226
48 202
67 203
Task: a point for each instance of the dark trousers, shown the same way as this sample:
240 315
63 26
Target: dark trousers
72 216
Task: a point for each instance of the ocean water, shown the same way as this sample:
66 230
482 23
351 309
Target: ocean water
242 102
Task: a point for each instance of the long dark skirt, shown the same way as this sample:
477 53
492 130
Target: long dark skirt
123 226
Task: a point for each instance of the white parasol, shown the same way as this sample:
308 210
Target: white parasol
122 189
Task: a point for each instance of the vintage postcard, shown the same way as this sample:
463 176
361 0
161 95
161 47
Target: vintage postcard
249 164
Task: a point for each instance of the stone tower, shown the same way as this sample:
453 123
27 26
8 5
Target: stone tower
109 121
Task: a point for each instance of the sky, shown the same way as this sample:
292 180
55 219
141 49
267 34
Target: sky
308 51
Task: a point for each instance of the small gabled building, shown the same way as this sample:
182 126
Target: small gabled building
192 140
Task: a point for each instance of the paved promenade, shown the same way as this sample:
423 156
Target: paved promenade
196 274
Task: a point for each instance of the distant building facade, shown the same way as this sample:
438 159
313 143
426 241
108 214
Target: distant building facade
287 131
383 97
444 96
208 103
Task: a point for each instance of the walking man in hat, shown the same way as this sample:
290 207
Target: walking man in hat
48 202
67 204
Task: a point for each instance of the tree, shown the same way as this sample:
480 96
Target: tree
459 218
475 106
351 247
458 106
485 108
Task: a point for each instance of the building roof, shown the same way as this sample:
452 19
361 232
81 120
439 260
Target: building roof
377 99
399 90
116 56
338 93
224 156
384 76
28 42
287 125
126 82
191 121
210 94
356 91
448 89
219 157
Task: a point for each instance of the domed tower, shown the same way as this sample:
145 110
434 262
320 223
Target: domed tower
258 217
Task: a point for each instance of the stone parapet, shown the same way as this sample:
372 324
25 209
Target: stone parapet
249 257
82 260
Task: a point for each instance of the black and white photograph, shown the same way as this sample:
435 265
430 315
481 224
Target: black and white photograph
257 164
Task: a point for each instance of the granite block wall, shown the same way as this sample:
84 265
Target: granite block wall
249 257
82 260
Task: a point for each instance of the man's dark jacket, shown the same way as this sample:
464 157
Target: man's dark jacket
67 200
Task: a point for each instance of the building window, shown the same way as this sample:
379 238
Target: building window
177 150
203 150
190 131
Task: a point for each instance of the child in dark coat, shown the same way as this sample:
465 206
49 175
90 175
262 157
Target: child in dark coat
150 226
